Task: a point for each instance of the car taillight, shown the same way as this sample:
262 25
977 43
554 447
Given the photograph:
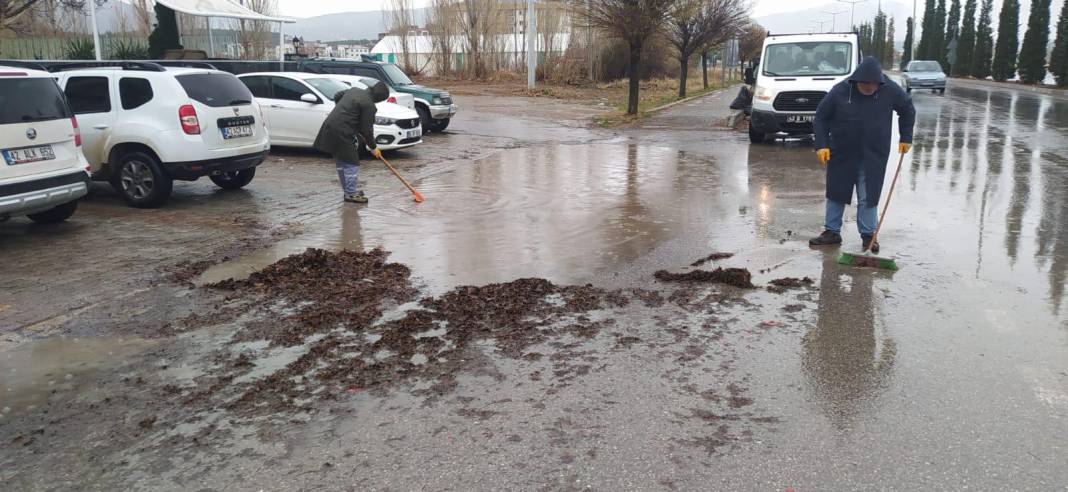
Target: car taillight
392 100
77 132
188 116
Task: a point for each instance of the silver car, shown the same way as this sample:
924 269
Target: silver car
925 74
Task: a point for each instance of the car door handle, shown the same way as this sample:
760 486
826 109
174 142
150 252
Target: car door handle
276 106
100 127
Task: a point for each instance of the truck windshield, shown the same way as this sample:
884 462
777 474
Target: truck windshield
397 75
806 59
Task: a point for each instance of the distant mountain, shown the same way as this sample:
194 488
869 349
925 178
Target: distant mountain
347 25
801 21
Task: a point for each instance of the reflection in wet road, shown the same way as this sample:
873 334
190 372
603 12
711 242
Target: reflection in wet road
951 372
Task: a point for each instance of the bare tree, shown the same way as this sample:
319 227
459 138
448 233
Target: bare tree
399 23
550 21
143 11
751 41
14 13
693 24
441 23
479 22
255 36
634 22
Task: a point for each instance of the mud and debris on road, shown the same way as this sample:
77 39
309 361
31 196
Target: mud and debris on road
534 311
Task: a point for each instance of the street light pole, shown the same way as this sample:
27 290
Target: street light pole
834 18
532 60
96 31
853 10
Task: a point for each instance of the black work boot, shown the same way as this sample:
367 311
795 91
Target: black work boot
828 238
357 198
874 247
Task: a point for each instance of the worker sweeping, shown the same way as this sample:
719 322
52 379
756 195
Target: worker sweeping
350 125
853 131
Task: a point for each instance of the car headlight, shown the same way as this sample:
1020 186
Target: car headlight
437 101
381 120
763 94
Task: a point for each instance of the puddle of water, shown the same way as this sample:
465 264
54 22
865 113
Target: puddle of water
32 371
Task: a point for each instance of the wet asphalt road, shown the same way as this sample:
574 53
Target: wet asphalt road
950 373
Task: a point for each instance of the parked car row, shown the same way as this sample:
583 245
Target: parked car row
141 126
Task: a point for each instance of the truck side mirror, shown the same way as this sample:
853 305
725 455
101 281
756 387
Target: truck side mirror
749 77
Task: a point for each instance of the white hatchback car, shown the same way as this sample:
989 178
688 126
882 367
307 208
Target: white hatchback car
43 172
144 126
296 104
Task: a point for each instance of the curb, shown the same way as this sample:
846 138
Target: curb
685 100
1051 91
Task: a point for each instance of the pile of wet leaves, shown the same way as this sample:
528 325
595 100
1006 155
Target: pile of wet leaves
333 305
781 285
737 277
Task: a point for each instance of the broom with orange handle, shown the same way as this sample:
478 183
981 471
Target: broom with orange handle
418 197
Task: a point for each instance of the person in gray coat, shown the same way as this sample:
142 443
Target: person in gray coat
853 128
349 125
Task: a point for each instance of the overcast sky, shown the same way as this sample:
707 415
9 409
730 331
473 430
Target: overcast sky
310 8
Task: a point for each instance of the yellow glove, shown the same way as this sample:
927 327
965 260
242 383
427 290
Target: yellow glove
824 156
377 153
904 148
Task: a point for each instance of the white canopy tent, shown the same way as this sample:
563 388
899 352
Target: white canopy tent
209 8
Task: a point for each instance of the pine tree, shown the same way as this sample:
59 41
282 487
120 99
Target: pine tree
1033 51
927 31
966 43
1004 65
888 53
1058 59
938 49
953 22
906 55
984 42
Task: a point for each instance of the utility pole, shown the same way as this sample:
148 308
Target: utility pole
834 17
589 43
96 32
853 10
914 43
532 56
821 23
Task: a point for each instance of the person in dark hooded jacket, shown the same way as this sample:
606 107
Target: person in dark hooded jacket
349 125
853 132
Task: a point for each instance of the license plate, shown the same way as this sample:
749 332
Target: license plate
800 118
237 131
413 133
29 154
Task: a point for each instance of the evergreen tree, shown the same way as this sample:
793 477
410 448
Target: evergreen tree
1004 65
878 36
906 55
966 43
165 36
923 51
953 22
888 52
984 42
938 48
1058 59
1033 51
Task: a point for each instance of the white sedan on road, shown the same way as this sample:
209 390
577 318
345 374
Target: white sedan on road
295 104
406 100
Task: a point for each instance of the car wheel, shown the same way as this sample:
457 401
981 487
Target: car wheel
142 181
908 89
942 91
56 214
234 180
440 125
755 136
424 119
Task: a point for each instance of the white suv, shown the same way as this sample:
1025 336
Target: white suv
42 170
144 126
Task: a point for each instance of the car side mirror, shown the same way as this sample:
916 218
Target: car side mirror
749 77
310 99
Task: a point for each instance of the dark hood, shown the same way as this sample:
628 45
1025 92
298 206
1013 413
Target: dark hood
379 92
869 70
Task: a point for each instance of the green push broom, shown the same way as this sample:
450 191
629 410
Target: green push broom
866 258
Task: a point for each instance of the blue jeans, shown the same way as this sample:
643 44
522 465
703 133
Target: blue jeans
867 214
348 173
